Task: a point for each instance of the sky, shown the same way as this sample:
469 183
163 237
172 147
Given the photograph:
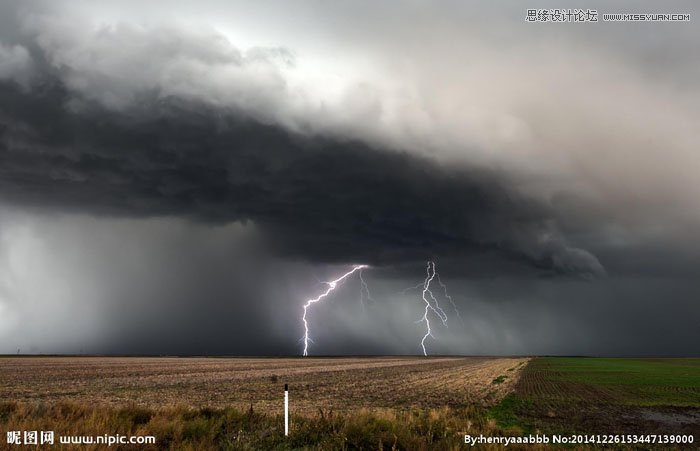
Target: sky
182 178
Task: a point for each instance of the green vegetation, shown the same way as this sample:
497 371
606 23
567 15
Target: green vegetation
499 380
505 413
602 395
640 382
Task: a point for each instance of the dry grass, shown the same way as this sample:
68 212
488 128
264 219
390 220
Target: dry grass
232 429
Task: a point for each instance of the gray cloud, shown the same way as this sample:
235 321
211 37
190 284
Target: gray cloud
461 134
330 200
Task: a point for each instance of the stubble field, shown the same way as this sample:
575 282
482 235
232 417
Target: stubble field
340 384
236 403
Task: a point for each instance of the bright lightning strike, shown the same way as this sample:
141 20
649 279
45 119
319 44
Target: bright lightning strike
434 306
331 286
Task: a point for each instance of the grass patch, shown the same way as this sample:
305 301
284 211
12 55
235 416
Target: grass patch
499 380
508 413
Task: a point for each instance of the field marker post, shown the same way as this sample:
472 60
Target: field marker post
286 410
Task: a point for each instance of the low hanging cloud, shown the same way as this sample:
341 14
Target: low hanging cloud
319 199
193 134
554 127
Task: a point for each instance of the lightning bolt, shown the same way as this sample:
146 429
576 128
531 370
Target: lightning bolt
331 286
364 291
431 302
449 298
414 287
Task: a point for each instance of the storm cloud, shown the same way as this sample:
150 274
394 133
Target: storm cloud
238 161
332 200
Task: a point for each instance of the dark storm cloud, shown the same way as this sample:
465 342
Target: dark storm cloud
317 198
169 186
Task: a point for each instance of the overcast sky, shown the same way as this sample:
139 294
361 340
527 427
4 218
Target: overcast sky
181 179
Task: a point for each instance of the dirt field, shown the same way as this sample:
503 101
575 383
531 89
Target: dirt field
340 384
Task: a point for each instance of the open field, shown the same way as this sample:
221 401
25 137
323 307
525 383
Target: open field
235 403
346 403
339 384
597 395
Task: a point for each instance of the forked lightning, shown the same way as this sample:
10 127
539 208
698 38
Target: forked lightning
428 296
331 286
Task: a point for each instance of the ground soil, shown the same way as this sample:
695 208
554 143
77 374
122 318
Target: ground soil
339 384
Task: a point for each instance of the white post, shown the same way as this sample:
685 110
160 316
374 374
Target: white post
286 410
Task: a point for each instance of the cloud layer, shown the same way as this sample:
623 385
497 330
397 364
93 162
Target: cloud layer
332 199
336 135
